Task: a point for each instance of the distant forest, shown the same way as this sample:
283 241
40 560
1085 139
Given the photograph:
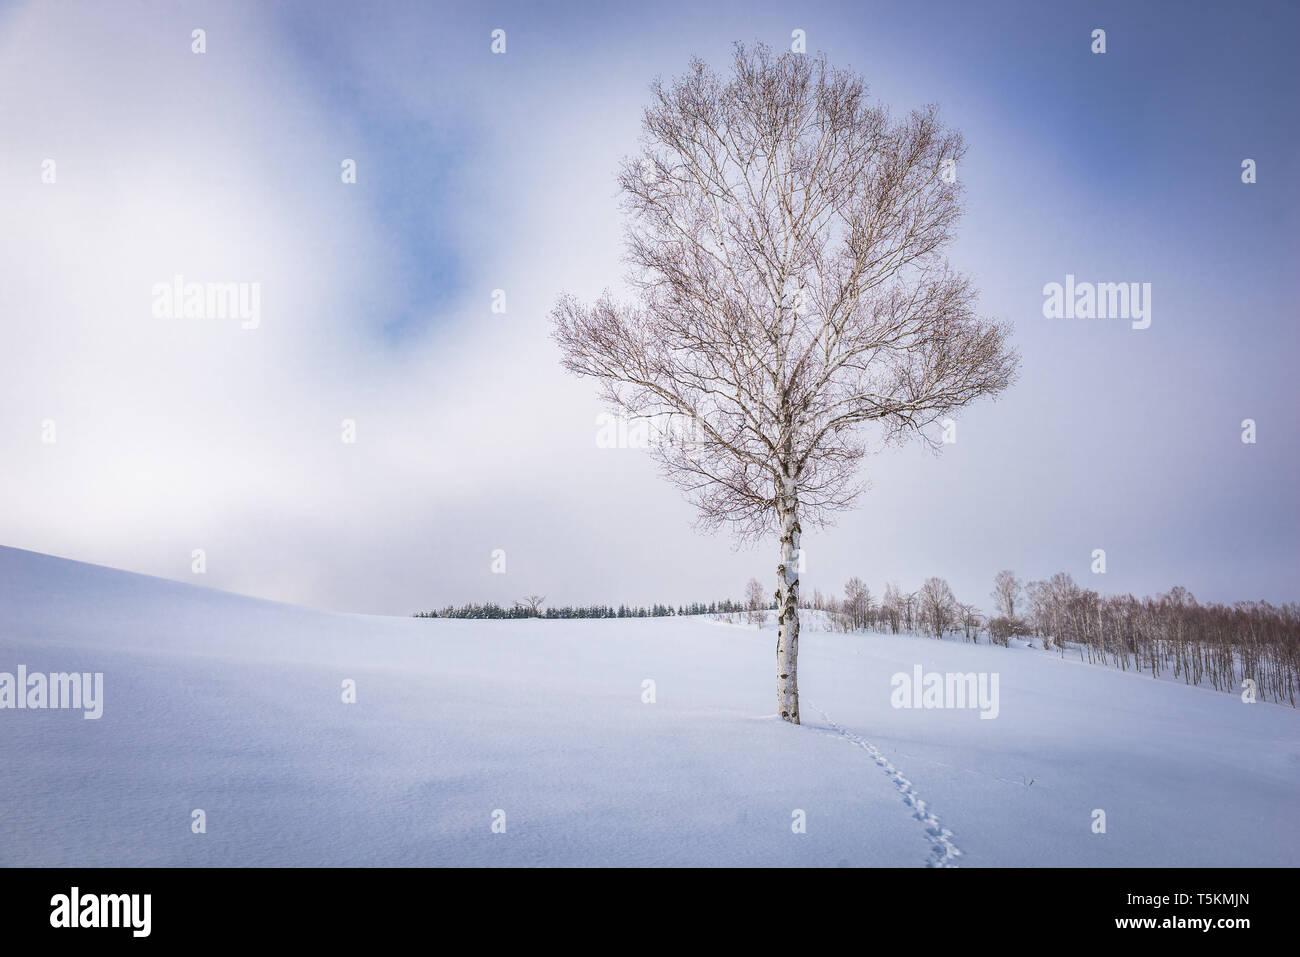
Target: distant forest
525 609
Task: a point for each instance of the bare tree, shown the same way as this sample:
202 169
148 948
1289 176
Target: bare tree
971 620
909 603
891 606
1006 592
533 604
785 236
938 607
754 601
858 602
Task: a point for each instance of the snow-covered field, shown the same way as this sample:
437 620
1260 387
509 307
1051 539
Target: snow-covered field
234 706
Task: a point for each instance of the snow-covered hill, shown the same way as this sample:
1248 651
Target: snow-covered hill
235 706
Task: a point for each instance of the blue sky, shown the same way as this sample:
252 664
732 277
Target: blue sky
479 172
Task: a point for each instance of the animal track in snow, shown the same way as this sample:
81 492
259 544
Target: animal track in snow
943 852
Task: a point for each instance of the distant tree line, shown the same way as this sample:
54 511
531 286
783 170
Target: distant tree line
1223 646
530 609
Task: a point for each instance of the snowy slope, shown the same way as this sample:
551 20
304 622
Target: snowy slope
233 705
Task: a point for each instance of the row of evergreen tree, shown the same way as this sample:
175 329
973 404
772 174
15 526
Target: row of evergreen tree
493 610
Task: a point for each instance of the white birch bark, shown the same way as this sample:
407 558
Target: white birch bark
787 603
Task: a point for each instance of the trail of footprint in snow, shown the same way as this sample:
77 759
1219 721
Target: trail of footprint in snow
943 852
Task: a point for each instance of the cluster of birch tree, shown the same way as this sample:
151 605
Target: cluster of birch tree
932 609
1249 646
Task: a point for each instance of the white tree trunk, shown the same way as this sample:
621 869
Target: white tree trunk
787 610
